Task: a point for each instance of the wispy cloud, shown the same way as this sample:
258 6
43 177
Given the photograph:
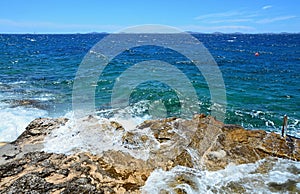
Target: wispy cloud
28 25
267 7
244 18
217 15
224 28
231 21
275 19
227 17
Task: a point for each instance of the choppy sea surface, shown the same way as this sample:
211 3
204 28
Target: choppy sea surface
37 75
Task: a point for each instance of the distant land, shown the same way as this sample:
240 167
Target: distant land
190 32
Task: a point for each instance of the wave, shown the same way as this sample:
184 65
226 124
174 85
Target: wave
266 120
86 133
265 176
15 120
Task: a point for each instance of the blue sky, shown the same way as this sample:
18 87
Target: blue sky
72 16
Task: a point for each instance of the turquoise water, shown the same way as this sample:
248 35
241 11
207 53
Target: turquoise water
260 90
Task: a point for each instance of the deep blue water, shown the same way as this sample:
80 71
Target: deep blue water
260 90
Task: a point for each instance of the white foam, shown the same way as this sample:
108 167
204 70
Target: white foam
96 135
271 121
128 123
245 178
256 113
45 97
18 82
15 120
31 39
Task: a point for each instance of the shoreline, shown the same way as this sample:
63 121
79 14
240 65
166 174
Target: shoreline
287 136
65 162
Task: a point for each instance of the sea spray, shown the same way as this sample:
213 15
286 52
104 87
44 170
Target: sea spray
98 135
269 175
14 120
185 160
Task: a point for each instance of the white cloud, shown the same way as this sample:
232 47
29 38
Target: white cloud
267 7
275 19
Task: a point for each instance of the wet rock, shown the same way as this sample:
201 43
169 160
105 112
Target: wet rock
32 103
201 142
3 143
129 138
117 125
31 139
38 129
247 146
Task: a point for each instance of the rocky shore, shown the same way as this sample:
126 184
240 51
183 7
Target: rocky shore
27 166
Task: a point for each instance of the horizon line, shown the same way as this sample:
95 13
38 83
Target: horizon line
190 32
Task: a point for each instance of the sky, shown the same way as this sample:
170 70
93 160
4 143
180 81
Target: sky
205 16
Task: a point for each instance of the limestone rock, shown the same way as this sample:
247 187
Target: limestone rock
31 139
79 173
201 142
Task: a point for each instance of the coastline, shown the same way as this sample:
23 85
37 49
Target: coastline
131 164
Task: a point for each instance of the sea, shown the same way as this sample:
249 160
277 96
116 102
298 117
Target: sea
260 74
